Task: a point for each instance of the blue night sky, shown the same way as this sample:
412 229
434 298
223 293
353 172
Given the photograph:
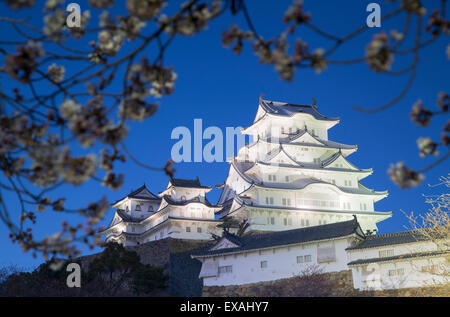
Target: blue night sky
222 89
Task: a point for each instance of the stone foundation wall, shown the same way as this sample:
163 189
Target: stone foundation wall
335 284
327 284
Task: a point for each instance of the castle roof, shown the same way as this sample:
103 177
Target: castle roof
288 109
402 237
288 237
142 193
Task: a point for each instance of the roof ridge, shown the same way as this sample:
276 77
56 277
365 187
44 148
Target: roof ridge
397 233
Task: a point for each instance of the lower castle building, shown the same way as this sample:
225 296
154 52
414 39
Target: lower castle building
385 261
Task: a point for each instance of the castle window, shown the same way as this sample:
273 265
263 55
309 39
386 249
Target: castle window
150 208
396 272
272 220
434 269
225 269
386 253
199 230
287 221
307 222
263 264
188 229
138 207
303 258
287 179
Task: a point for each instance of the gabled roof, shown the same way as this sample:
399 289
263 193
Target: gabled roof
280 152
184 183
291 140
141 193
380 240
125 217
172 202
190 183
234 239
289 109
290 237
307 138
338 155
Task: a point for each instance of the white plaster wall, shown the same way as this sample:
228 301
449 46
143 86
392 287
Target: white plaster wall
375 276
282 263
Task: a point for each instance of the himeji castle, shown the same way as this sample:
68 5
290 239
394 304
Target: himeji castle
302 203
182 212
292 176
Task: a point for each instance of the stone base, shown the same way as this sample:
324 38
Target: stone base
335 284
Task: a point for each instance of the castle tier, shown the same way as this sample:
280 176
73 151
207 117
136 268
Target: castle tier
292 176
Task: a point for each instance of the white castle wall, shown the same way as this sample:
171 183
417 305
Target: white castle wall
281 263
402 273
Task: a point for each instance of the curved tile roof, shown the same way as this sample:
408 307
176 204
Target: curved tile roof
380 240
289 109
288 237
170 201
189 183
141 193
